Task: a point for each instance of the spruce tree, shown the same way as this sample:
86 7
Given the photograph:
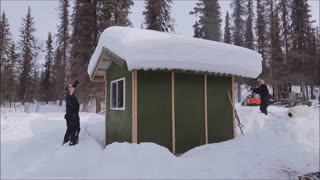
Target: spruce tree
57 85
316 62
46 76
196 30
5 43
12 74
13 71
113 12
248 37
283 8
63 41
312 63
278 73
249 40
5 38
261 35
8 77
158 15
285 22
209 23
1 46
28 49
110 13
299 55
238 21
35 83
238 32
302 54
84 40
227 30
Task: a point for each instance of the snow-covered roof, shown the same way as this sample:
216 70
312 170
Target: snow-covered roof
148 49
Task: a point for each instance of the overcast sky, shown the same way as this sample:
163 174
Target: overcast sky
46 15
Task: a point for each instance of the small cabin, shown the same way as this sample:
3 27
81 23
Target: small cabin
169 89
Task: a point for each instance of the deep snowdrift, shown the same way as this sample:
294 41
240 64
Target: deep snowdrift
273 147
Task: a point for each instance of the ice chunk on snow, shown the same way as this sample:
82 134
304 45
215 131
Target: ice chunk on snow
299 111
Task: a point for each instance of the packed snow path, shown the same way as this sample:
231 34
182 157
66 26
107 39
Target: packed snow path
273 147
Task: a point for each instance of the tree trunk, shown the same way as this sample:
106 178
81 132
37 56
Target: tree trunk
60 100
285 90
98 104
302 90
290 88
273 93
276 89
312 94
281 91
239 91
85 106
307 93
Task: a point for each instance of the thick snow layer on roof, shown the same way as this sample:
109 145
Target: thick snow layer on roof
147 49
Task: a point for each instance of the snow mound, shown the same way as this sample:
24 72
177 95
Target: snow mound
274 146
146 160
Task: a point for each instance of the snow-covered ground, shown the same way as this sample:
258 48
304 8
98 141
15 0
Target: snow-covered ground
273 147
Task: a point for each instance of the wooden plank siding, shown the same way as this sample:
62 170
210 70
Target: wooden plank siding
154 108
189 111
220 115
176 110
119 126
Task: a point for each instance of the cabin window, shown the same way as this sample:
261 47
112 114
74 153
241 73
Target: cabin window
117 94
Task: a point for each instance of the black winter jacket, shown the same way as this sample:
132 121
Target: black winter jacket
263 91
72 104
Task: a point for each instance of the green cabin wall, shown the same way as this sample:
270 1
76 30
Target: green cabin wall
154 108
220 116
119 122
189 111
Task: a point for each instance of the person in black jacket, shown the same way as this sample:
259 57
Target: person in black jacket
263 91
72 116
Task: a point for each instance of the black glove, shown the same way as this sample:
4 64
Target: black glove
75 83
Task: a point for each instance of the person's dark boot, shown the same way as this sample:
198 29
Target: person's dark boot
265 112
72 143
73 139
77 136
65 140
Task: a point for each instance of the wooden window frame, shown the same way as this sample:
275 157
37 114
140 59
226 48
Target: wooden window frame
124 94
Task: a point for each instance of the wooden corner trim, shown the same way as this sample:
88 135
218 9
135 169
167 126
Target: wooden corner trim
106 101
233 108
206 108
173 115
134 107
